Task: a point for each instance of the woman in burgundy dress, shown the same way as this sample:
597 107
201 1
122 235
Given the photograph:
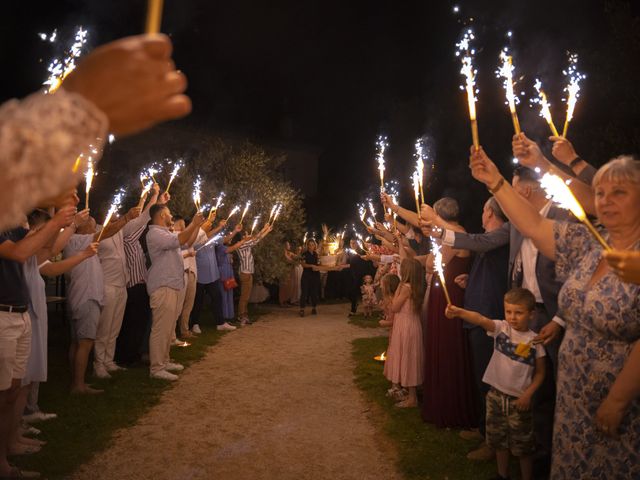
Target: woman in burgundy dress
447 389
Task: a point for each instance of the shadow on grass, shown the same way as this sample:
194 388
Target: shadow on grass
423 450
86 424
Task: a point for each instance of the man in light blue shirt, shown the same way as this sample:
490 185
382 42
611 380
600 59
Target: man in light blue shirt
165 285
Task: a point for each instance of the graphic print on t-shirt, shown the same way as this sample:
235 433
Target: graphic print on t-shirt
505 346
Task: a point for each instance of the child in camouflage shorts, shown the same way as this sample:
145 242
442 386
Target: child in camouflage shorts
515 372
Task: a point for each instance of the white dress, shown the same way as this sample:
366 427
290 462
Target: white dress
37 363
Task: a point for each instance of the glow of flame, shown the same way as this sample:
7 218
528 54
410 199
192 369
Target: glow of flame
415 179
506 72
146 188
277 213
244 212
176 168
439 266
561 194
381 146
371 209
255 223
362 212
88 177
59 69
233 211
466 53
545 107
197 192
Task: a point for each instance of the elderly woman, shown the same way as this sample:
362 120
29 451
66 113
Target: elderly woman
597 421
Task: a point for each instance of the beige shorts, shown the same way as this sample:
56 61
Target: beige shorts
15 346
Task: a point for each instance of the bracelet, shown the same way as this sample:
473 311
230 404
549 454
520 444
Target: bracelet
573 163
497 186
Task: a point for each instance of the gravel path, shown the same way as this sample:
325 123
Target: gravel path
275 400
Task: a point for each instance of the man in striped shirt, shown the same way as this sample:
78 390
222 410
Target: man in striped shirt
246 271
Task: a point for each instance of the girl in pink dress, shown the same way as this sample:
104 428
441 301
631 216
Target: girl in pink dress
404 365
369 299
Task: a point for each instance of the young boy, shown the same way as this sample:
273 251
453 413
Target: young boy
515 372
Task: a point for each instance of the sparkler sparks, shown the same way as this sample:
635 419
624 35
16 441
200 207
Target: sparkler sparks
197 192
466 52
415 179
112 209
59 69
560 192
371 209
233 211
255 223
421 155
176 168
572 89
506 72
545 111
244 212
439 266
88 177
381 146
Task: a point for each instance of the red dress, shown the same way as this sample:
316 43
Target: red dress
448 398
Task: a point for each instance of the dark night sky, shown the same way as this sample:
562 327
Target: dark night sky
337 73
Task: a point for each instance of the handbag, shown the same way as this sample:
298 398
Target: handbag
229 283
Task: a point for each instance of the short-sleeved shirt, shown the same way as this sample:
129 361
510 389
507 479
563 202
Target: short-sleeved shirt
86 280
167 267
511 367
206 260
13 286
245 255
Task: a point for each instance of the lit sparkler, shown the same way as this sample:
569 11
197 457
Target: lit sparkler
218 204
415 178
197 192
545 111
233 211
88 177
572 89
59 69
381 146
438 265
466 53
176 168
420 156
561 194
372 210
255 224
244 212
362 213
112 209
276 214
506 72
154 16
273 210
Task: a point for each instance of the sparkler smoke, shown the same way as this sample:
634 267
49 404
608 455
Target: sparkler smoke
505 71
59 68
573 89
466 53
545 108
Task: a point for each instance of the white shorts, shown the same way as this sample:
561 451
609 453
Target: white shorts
15 346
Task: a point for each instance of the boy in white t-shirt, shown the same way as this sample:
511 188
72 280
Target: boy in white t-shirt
515 372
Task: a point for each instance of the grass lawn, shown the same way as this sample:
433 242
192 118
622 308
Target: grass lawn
424 452
85 425
366 322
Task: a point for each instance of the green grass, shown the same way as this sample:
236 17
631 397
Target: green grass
365 322
424 452
85 424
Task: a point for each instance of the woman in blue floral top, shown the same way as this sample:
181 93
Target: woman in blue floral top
597 418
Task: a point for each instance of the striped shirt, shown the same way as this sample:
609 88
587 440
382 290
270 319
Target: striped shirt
136 261
246 257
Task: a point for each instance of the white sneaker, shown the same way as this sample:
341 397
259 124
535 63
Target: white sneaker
101 372
164 375
38 417
225 327
173 367
115 368
196 329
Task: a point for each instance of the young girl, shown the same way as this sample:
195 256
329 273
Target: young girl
388 285
369 299
404 365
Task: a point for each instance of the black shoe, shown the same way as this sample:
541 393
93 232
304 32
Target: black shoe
314 311
302 313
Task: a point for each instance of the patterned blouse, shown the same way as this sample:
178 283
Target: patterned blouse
603 325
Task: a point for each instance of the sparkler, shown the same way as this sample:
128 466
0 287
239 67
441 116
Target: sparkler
197 192
466 53
112 209
381 146
176 168
244 212
420 156
255 223
572 89
560 192
88 177
273 210
59 69
277 214
234 210
415 178
154 16
506 72
151 171
438 265
218 204
545 111
372 210
362 213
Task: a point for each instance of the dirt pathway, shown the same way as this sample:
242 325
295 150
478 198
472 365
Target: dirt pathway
275 400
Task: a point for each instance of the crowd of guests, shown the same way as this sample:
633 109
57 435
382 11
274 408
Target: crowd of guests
534 352
130 284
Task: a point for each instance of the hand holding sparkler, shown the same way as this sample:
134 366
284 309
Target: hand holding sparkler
563 150
528 153
133 81
65 216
